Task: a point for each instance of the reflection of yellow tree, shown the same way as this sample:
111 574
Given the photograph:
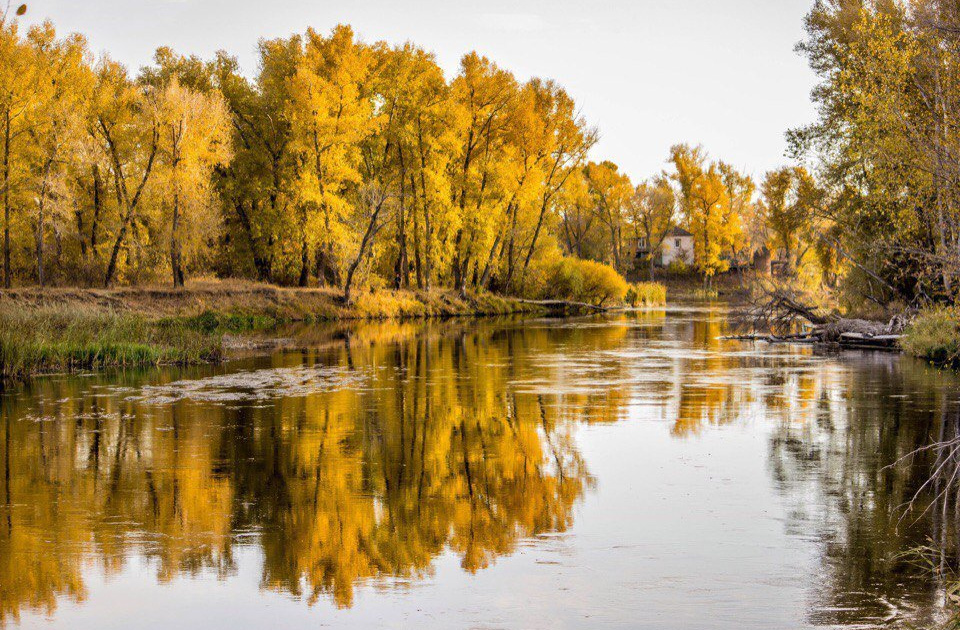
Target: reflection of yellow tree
434 451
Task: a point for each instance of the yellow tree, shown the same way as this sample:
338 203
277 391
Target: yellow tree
20 83
706 206
567 139
330 114
611 191
741 189
56 133
194 137
483 96
125 131
651 210
258 185
575 207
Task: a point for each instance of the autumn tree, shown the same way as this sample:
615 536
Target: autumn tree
705 202
611 192
193 131
482 96
887 140
651 211
330 113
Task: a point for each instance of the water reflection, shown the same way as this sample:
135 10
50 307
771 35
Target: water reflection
376 448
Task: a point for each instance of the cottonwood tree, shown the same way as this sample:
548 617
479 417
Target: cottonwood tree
651 211
705 203
55 133
194 133
20 85
611 191
330 113
124 128
888 142
482 96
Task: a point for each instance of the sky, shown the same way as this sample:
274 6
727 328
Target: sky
647 73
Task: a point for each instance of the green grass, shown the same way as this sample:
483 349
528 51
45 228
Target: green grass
59 339
646 294
935 335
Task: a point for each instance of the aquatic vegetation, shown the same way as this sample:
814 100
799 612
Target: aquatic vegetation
646 294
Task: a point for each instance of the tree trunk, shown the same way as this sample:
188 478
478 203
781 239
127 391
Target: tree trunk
39 238
304 256
536 235
417 262
124 201
368 236
176 264
403 262
6 200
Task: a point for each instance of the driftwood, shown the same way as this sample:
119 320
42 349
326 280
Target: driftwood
782 312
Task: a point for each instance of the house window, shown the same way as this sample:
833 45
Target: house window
676 243
642 243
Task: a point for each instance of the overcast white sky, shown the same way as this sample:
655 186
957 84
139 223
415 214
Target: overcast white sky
649 73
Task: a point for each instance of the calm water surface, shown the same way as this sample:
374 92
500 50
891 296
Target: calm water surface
630 472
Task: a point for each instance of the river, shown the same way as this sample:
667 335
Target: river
632 471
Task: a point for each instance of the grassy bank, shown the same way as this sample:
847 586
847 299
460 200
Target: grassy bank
66 338
56 330
934 335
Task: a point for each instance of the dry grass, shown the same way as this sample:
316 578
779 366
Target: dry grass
256 300
647 294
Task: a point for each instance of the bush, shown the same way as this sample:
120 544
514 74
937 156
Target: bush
935 335
678 268
647 294
583 281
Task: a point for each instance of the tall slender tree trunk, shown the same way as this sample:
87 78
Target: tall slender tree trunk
39 237
368 236
304 252
536 235
6 200
176 262
403 262
417 262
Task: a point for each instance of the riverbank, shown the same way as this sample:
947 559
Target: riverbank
56 330
934 335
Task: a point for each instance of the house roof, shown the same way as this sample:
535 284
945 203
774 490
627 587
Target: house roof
677 231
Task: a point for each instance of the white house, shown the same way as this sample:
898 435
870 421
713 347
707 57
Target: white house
677 245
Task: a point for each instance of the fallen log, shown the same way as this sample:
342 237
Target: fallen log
784 310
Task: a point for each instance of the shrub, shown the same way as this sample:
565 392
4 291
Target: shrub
647 294
583 281
678 268
935 335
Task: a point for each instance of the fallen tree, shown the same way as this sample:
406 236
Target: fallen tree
786 317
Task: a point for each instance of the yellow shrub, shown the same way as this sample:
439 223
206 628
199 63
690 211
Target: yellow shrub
583 281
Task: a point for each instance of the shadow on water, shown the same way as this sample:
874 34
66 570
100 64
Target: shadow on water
373 448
